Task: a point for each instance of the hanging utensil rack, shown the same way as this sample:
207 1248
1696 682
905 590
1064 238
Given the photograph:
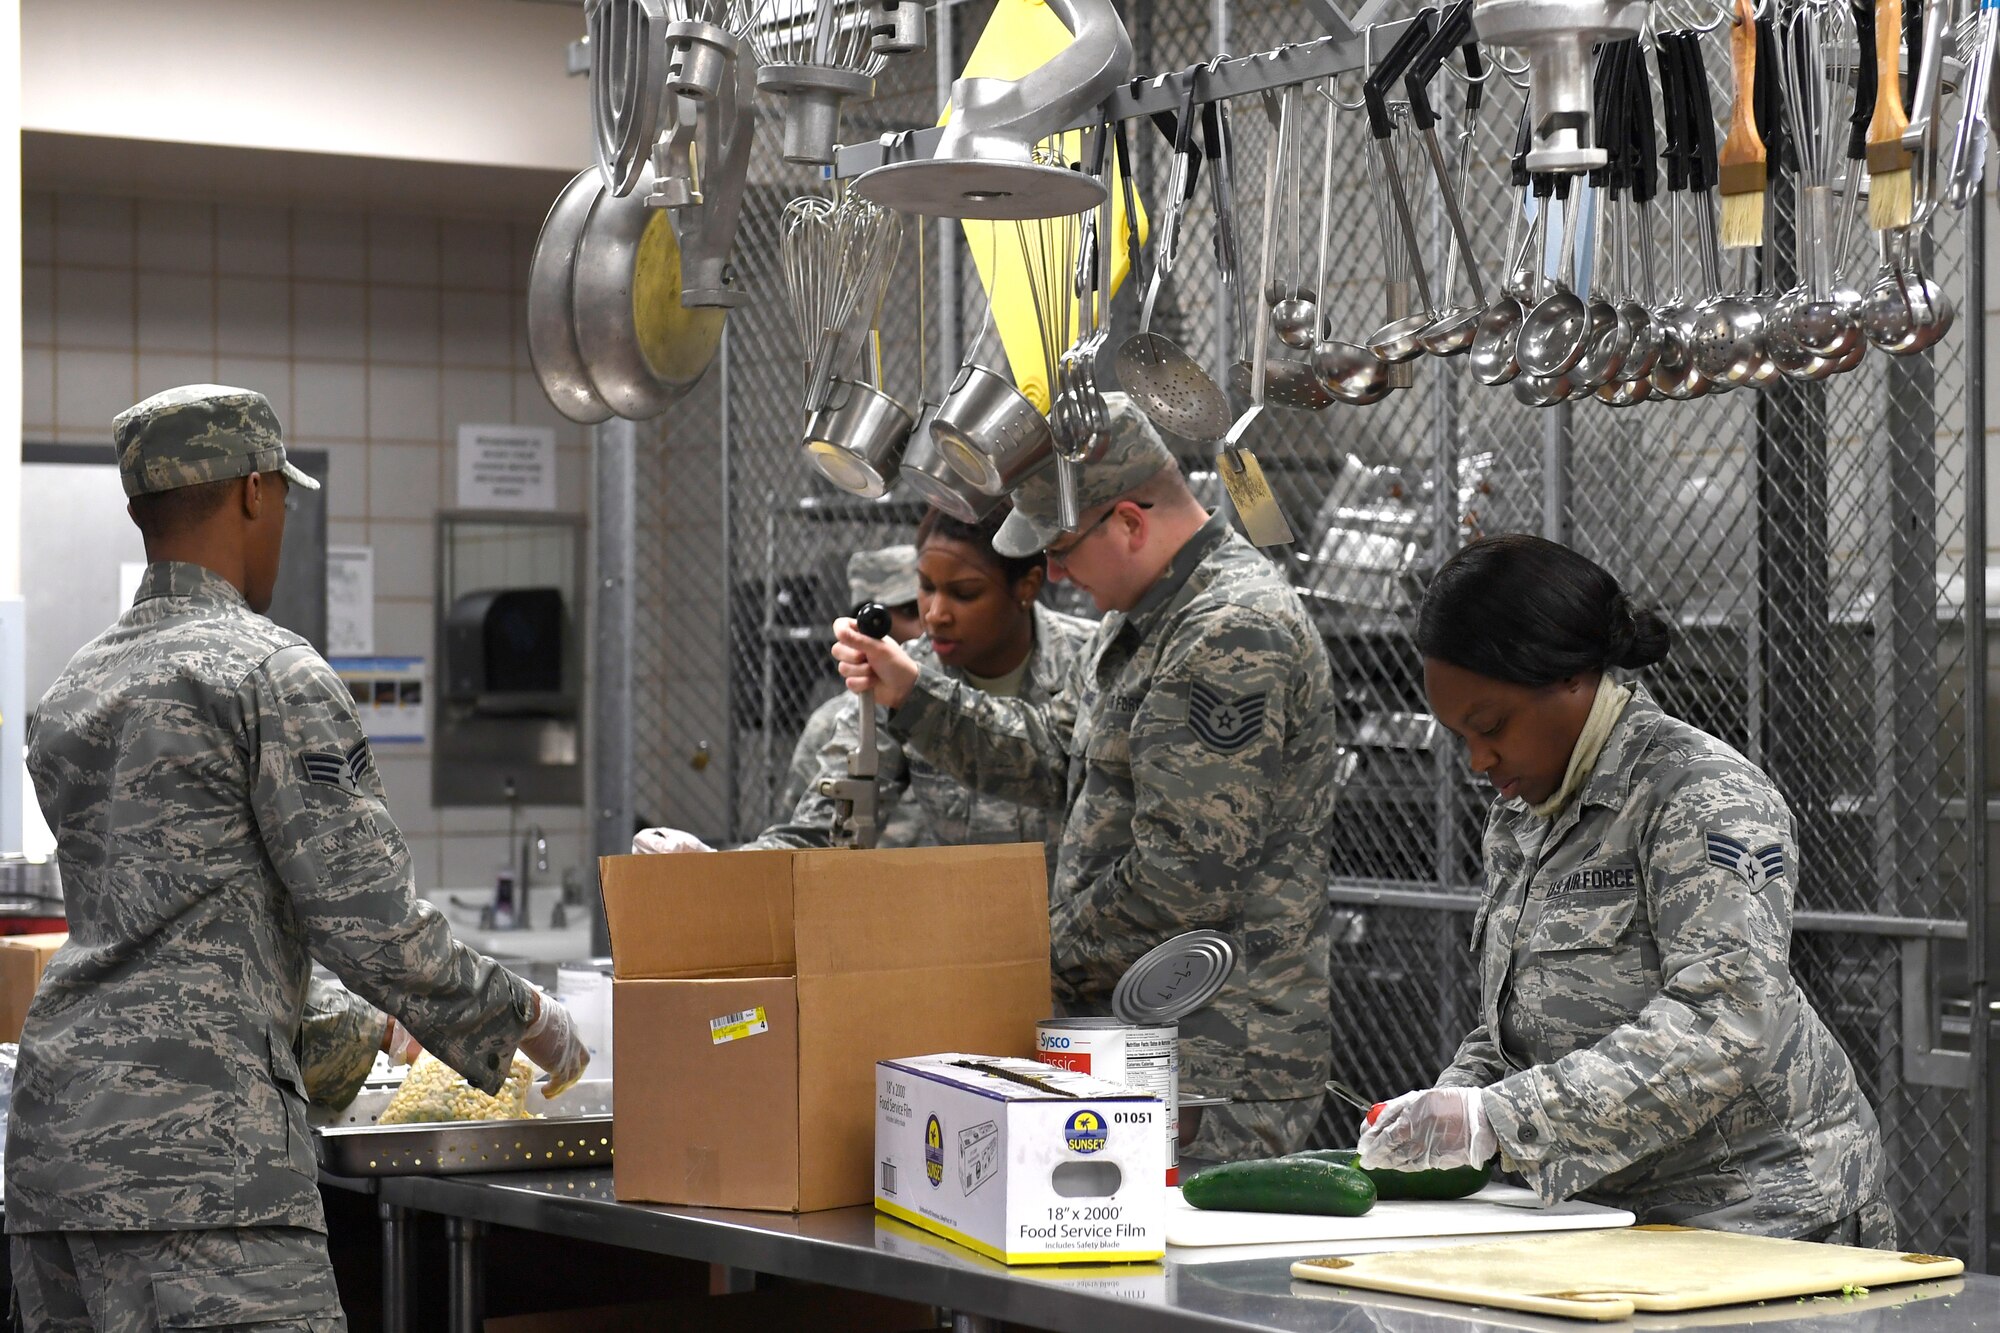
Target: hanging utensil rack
1224 79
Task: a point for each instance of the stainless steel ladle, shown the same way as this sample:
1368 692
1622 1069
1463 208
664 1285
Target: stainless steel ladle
1554 332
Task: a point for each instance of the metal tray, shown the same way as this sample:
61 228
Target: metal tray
575 1132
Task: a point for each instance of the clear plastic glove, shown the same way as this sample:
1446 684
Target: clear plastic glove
1433 1130
667 840
551 1041
400 1046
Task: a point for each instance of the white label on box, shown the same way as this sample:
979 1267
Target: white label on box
734 1027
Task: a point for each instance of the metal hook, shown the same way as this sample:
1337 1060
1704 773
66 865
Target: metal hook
1332 84
1724 13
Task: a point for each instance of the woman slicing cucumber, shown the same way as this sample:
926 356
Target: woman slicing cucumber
1642 1041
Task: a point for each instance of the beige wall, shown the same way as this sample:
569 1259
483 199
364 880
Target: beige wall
373 335
466 81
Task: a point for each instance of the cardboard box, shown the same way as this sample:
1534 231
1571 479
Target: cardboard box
753 993
1023 1162
22 958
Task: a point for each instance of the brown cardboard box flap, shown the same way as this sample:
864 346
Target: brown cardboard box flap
695 914
873 911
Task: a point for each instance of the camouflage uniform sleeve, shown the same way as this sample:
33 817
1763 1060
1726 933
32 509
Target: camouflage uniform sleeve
1015 749
339 1037
806 753
1727 1011
319 805
1477 1064
811 822
1206 751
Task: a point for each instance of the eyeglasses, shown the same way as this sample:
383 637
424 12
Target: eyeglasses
291 502
1061 557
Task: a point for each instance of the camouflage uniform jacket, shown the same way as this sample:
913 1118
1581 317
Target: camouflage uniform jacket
218 823
923 806
1642 1040
1193 753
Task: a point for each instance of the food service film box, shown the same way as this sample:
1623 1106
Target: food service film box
1023 1162
754 991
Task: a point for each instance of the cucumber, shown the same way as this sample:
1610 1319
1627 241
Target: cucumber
1456 1183
1282 1185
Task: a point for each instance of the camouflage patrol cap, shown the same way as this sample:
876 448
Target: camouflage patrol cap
888 576
199 433
1135 455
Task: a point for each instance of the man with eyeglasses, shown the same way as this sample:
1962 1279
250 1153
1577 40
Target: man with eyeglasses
1192 754
219 825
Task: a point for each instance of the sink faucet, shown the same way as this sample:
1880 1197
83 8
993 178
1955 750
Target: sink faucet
534 857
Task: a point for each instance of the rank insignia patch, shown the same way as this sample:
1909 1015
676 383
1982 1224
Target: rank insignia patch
1224 725
1755 868
345 771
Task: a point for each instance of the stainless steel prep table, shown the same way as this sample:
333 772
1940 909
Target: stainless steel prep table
854 1248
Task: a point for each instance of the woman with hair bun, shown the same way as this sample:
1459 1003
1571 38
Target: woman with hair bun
1642 1042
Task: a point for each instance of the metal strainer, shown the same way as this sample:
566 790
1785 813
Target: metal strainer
1162 380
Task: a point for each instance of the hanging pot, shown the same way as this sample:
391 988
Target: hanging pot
857 439
990 433
641 347
551 315
926 473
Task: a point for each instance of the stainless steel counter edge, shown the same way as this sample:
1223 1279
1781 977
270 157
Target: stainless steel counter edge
852 1248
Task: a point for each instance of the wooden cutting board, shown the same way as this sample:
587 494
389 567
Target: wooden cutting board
1495 1210
1604 1275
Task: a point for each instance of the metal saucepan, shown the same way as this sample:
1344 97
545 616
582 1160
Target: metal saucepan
857 439
927 472
551 316
642 348
989 432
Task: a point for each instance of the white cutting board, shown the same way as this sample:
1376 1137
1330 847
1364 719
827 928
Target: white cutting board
1495 1210
1603 1275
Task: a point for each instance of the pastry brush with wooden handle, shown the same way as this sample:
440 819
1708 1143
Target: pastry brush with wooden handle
1742 160
1890 198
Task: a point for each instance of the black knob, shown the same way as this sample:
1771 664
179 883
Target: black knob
872 619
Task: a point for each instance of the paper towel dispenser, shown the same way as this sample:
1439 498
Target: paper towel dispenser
504 642
511 606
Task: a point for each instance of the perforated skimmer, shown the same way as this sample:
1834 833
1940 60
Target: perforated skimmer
1161 378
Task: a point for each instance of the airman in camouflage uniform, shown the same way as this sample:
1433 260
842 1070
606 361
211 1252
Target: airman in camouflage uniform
1642 1041
923 806
888 576
219 823
1192 751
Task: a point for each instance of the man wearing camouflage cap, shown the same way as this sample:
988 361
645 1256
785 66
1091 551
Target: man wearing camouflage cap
219 824
1193 752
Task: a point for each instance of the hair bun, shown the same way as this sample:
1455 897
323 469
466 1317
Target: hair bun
1638 636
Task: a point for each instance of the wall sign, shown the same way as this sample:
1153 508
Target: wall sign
388 696
506 467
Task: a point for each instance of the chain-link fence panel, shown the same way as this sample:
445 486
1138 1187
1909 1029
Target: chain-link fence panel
1806 541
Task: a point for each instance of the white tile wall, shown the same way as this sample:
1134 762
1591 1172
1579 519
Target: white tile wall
253 315
373 336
